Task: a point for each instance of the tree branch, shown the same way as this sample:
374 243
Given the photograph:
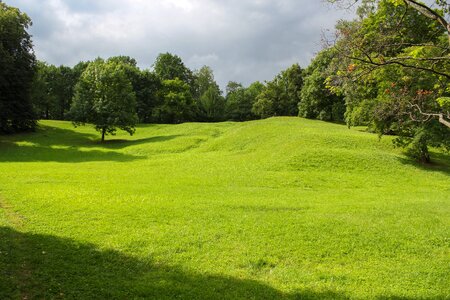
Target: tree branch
440 116
428 12
397 62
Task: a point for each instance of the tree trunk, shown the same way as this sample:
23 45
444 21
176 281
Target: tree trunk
103 134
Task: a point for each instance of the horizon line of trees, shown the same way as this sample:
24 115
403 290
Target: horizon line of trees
387 69
172 93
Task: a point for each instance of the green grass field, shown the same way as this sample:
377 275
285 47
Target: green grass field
280 208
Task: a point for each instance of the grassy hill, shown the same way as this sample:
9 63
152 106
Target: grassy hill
280 208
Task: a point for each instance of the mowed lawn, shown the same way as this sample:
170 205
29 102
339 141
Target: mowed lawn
279 208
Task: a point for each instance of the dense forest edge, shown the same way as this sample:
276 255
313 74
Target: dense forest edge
387 70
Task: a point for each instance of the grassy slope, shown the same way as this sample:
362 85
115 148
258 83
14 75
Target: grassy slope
283 207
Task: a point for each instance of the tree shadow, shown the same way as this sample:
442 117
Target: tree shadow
121 143
64 145
50 136
37 266
440 163
11 152
55 136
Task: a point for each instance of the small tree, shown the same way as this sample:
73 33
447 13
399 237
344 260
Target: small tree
104 97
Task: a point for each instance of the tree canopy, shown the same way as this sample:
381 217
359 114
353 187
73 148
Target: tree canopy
17 68
169 67
281 95
104 97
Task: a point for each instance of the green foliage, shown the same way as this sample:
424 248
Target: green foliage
204 79
104 97
283 208
176 102
240 100
444 103
317 101
41 94
53 90
264 106
210 104
147 87
281 95
169 67
417 146
391 67
17 68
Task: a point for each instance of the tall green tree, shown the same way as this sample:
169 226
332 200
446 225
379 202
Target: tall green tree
169 67
17 68
104 96
291 81
146 86
204 79
210 104
317 101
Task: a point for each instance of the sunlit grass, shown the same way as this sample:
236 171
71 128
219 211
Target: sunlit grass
283 207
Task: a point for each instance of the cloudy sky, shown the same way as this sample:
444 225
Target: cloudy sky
241 40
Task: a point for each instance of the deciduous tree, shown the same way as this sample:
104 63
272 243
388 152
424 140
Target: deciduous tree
397 51
104 97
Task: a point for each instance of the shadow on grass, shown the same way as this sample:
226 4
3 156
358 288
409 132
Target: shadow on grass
440 163
36 266
63 145
120 143
11 152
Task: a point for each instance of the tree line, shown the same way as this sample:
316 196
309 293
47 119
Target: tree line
387 69
168 93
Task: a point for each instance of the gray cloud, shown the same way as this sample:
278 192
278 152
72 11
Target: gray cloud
241 40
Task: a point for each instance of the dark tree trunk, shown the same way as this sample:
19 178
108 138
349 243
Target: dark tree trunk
103 134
